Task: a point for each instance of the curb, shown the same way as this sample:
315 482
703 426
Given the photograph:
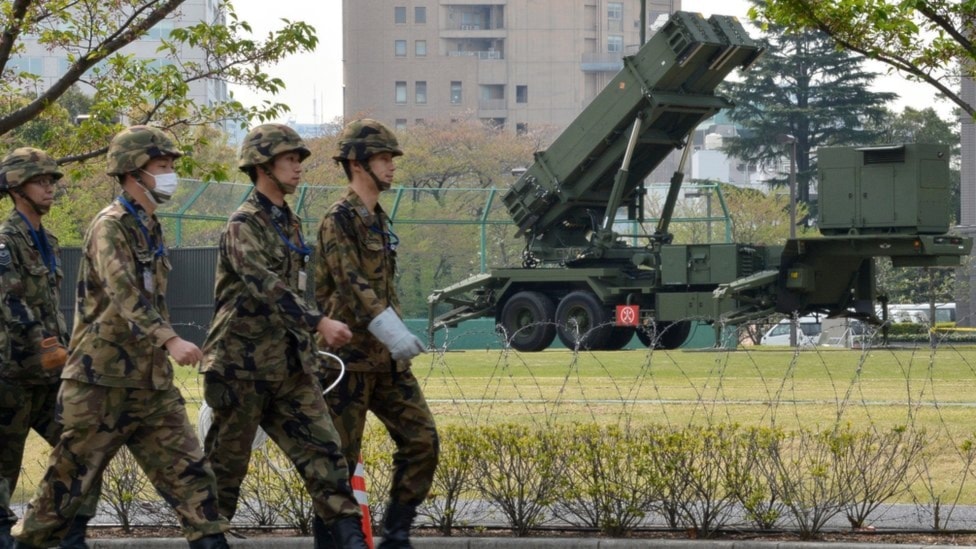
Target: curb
509 543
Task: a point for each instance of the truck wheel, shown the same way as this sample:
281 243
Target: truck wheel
582 321
527 319
620 336
665 335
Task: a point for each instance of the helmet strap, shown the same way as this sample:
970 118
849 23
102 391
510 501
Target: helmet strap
380 184
145 189
285 190
30 202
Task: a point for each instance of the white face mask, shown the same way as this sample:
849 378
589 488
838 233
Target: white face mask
166 184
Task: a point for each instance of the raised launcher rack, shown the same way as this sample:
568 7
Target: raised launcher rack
669 85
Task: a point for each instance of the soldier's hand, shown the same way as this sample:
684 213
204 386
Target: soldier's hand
335 333
53 354
185 353
392 332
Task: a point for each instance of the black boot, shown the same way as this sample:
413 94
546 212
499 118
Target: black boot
396 526
213 541
6 541
75 537
347 532
322 534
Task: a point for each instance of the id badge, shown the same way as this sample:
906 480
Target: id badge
147 280
302 280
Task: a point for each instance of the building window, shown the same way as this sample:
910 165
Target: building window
32 65
401 92
400 48
521 128
400 15
420 92
456 92
400 124
420 48
160 30
492 92
420 15
494 123
419 122
521 94
615 44
615 17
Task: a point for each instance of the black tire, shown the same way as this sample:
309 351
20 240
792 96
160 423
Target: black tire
527 320
665 335
620 336
583 322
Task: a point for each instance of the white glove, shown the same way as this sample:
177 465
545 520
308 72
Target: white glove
392 332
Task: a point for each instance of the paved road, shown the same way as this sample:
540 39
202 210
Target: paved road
510 543
890 518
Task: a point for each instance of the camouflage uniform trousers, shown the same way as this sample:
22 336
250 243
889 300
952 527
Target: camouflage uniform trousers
24 407
295 417
97 421
397 400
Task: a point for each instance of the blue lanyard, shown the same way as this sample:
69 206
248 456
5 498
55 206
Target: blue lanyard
159 250
43 246
302 249
390 238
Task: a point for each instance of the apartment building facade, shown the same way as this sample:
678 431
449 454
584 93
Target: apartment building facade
50 64
517 64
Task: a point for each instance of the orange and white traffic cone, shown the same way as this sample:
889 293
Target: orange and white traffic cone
359 489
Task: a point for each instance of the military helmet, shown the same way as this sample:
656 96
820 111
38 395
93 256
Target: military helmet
133 147
24 163
363 138
267 141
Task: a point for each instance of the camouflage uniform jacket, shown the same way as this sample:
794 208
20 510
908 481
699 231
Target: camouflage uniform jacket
121 318
354 278
30 306
262 325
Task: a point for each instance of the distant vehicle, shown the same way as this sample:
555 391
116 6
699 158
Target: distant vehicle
807 334
847 332
919 312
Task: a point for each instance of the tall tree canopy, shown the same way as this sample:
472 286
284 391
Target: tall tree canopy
91 35
928 41
805 88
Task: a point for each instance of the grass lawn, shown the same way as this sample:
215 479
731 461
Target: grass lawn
814 389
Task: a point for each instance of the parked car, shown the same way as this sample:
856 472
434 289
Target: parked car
807 333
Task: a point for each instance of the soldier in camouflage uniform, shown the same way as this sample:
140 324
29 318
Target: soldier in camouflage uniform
117 385
33 343
260 365
354 282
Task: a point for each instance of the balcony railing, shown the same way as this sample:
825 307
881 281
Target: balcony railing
478 54
602 62
492 104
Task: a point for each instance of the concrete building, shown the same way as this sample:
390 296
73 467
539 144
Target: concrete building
518 64
50 65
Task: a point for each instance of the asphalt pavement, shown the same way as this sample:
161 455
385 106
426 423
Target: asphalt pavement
891 518
512 543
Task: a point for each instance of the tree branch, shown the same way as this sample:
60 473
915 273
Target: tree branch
123 37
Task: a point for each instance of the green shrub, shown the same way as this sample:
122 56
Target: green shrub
610 481
451 494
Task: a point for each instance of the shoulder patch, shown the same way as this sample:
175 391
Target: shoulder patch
5 258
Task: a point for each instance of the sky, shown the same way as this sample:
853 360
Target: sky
314 80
